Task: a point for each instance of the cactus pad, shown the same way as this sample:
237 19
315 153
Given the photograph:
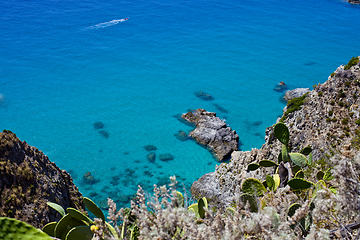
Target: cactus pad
267 163
285 153
252 201
270 183
306 150
253 186
180 199
13 229
320 175
299 184
281 132
253 166
300 174
202 203
92 207
299 159
80 232
277 181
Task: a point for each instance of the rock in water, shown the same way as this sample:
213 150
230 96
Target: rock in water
213 133
150 148
151 157
166 157
181 135
281 87
98 125
204 96
28 180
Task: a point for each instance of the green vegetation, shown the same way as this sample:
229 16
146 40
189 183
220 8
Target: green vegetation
15 229
345 121
75 224
353 61
293 105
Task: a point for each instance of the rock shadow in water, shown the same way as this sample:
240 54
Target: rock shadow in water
220 108
104 133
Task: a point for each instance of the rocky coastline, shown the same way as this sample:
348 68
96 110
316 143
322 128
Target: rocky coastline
327 120
28 180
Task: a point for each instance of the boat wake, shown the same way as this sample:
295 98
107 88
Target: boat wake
108 24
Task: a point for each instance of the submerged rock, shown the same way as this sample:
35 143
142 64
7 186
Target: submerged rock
281 87
151 157
213 133
181 135
89 179
98 125
204 96
220 108
150 148
166 157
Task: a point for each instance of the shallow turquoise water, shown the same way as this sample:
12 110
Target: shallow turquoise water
66 65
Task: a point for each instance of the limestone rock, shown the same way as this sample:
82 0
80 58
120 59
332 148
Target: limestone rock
328 121
28 180
213 133
298 92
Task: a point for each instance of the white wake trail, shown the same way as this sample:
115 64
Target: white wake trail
108 24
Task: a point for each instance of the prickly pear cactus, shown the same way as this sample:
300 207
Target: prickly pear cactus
180 198
299 184
306 150
285 153
253 166
281 132
253 186
299 159
12 229
247 198
267 163
270 182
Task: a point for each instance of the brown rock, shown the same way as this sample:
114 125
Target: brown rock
28 180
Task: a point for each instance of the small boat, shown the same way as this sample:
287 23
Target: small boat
125 19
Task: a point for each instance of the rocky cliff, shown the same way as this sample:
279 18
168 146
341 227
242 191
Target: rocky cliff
28 180
326 118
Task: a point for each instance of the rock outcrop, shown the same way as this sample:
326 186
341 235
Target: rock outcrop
328 121
298 92
28 180
213 133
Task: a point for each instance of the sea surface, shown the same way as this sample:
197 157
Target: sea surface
67 65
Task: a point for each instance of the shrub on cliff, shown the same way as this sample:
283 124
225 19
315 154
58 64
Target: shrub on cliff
353 61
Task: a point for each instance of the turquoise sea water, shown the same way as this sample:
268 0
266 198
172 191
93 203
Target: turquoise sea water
66 65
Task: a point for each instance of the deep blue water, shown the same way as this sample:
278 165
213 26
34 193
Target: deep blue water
68 64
